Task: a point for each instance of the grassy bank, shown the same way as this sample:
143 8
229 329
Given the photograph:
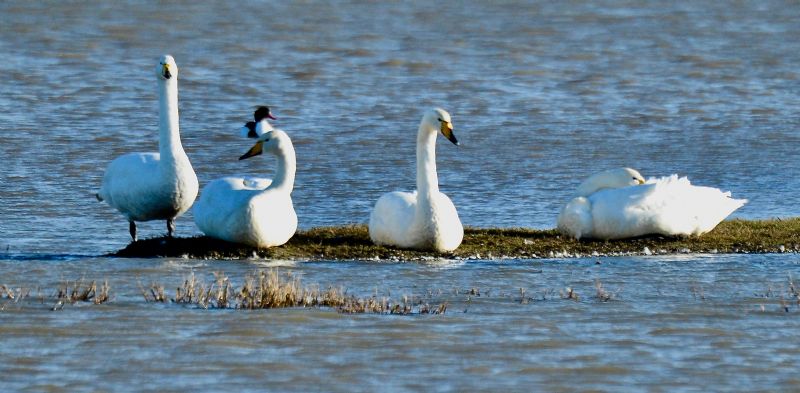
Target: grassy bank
352 242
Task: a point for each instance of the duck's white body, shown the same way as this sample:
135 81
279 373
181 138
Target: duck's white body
253 211
154 186
425 218
665 206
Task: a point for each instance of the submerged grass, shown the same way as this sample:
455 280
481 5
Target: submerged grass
352 242
786 296
79 291
269 289
68 292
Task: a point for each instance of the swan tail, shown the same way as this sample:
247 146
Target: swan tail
695 209
718 206
576 218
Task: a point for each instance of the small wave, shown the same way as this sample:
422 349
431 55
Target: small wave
42 257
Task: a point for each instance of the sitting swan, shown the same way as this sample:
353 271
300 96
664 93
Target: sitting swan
154 186
256 212
426 218
618 203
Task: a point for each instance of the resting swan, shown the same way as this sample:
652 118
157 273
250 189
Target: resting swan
426 218
256 212
154 186
618 203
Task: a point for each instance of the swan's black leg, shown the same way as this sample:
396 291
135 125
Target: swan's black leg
132 229
170 227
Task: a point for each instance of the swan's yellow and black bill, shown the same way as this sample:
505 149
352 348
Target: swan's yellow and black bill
257 149
165 71
447 131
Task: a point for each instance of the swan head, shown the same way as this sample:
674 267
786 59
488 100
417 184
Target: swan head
439 119
167 69
273 141
612 178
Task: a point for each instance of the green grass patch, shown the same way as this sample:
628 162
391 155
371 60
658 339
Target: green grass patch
352 242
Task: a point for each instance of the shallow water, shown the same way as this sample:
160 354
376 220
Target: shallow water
673 323
541 93
541 96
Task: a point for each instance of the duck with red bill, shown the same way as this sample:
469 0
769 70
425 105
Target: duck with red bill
261 115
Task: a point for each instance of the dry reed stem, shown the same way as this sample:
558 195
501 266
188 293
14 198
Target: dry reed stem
154 293
102 296
77 291
785 297
12 296
601 292
569 293
269 289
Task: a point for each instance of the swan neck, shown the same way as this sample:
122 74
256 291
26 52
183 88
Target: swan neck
427 179
284 173
426 223
263 127
169 146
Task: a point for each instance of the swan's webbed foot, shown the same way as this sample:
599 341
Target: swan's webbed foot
132 229
170 227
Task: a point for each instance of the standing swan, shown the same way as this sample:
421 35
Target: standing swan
618 203
256 212
426 218
154 186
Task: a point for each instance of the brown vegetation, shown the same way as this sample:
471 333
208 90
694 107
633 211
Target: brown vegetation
77 291
268 289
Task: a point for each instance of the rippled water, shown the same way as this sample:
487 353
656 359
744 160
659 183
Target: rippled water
673 323
541 93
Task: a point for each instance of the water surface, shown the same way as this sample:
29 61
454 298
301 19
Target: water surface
674 323
542 94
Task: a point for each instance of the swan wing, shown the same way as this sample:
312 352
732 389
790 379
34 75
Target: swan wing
450 230
391 219
686 209
255 183
218 211
229 209
274 220
132 185
666 206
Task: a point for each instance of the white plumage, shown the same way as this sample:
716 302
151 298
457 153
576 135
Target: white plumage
608 207
425 218
252 211
154 186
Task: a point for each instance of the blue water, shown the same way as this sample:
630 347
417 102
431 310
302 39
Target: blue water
542 94
673 323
